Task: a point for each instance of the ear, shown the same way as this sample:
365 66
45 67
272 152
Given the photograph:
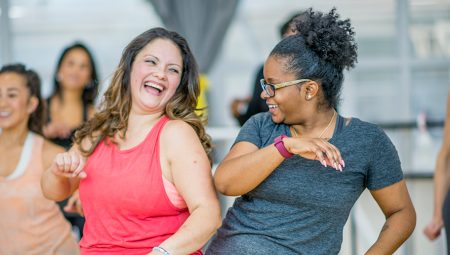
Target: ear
32 104
311 90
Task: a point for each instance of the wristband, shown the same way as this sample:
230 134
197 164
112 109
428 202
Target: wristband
161 250
278 142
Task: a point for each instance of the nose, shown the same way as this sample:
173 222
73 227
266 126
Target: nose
160 74
2 101
263 95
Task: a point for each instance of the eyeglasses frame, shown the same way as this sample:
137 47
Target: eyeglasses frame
279 85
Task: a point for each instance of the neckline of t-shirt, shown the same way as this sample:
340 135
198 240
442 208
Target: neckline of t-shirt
335 135
140 144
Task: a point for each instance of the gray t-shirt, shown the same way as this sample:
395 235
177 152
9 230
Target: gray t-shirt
301 208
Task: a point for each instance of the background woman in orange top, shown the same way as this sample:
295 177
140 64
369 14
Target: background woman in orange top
29 223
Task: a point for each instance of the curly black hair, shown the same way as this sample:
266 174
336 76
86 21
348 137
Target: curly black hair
288 24
322 48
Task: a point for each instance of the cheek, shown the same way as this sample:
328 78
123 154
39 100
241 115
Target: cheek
20 106
174 82
87 75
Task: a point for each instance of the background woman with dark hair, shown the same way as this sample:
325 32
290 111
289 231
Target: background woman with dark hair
75 89
146 183
290 201
29 223
71 103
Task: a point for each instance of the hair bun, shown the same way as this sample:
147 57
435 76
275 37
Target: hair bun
329 37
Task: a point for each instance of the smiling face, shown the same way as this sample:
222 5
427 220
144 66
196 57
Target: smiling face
15 102
287 102
155 75
75 70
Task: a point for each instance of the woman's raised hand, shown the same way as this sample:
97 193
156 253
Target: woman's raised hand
315 149
69 164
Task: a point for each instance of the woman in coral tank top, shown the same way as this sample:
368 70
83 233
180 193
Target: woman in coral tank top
141 163
29 223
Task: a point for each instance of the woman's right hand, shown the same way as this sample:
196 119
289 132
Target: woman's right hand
69 164
433 229
60 130
315 149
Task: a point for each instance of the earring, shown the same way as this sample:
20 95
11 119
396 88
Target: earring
308 97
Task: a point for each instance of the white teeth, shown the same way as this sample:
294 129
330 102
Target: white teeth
160 88
272 106
4 114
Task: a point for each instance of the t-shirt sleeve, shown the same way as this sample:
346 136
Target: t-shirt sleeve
384 167
250 131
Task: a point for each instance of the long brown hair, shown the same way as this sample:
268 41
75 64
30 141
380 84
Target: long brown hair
116 104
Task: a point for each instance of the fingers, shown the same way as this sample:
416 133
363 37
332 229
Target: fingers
432 231
328 154
333 155
71 204
319 149
69 164
74 205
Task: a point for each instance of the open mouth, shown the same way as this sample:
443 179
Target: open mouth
4 114
156 87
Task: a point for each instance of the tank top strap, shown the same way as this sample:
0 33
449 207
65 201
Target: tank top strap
85 111
36 161
340 124
160 125
152 139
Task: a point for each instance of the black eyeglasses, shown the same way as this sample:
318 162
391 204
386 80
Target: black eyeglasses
270 88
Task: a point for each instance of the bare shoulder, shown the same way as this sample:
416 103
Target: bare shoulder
177 129
179 133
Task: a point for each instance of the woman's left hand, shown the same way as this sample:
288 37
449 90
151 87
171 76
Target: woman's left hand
74 204
315 149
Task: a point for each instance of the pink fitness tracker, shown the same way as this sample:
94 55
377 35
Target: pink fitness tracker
278 142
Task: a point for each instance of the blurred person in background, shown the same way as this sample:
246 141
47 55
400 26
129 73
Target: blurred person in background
243 108
29 222
75 89
299 168
441 212
74 92
141 162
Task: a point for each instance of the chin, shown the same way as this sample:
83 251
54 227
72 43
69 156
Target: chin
276 120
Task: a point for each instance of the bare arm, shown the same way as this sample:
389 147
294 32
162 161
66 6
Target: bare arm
441 185
246 166
186 164
400 215
61 178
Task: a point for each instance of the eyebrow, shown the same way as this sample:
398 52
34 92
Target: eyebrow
150 55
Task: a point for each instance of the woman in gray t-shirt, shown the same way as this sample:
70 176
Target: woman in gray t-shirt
300 167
